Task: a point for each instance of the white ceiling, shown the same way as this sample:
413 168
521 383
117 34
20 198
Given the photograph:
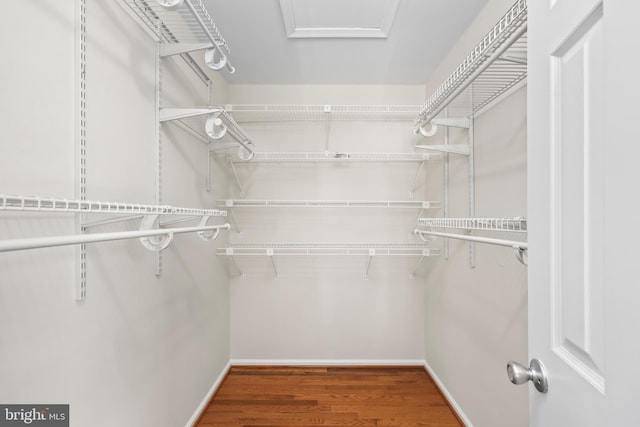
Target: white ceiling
339 41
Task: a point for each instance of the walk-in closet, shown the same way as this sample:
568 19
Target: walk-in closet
305 212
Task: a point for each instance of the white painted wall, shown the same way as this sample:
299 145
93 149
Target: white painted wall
140 350
476 319
150 348
322 308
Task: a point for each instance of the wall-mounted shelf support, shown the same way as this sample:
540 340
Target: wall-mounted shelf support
425 254
217 124
462 149
230 255
273 263
514 58
462 122
181 48
372 253
414 185
80 140
471 188
327 126
234 220
168 114
232 165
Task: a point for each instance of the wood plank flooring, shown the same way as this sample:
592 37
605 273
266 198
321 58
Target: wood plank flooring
328 396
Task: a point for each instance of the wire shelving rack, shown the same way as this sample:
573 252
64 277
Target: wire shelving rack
153 233
51 204
283 113
515 224
337 157
369 250
401 204
494 66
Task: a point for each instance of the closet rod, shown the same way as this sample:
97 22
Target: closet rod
500 242
47 242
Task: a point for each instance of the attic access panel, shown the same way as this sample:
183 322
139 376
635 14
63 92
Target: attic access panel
338 18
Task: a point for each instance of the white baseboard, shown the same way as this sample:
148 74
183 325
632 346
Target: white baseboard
207 398
327 362
452 402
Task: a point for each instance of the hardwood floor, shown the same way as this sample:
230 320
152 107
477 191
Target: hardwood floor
328 396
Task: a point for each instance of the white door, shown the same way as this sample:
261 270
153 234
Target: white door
584 211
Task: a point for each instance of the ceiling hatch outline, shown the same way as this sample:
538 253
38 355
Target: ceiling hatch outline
294 30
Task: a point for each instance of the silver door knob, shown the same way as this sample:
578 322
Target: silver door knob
535 373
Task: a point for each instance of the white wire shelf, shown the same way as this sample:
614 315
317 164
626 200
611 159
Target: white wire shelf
218 124
182 26
494 66
281 113
369 250
402 204
515 224
334 249
49 204
327 157
338 157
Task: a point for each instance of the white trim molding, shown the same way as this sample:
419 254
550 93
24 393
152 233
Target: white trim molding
205 402
293 29
452 402
327 362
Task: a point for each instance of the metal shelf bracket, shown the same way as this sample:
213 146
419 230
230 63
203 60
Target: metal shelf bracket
425 253
462 122
462 149
180 48
230 254
273 263
372 253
